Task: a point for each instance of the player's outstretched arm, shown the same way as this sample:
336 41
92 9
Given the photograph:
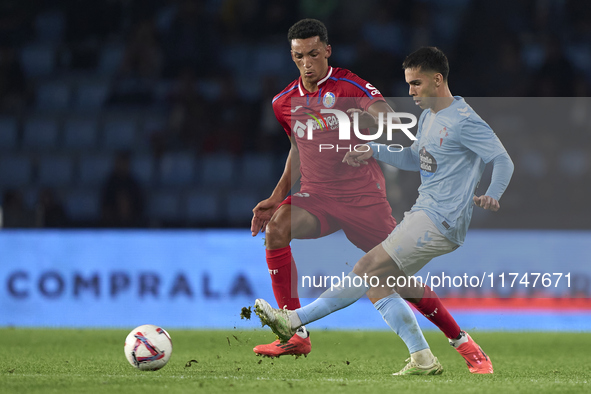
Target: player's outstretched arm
265 209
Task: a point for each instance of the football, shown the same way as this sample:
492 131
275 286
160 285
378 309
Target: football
148 347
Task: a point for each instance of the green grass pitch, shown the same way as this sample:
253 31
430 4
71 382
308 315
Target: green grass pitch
92 361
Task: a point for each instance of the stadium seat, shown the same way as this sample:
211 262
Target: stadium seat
38 60
149 125
50 26
91 95
142 167
80 133
55 170
8 133
234 56
239 206
257 170
153 124
30 196
53 96
177 169
164 206
210 88
119 134
161 91
93 170
40 134
202 206
268 58
217 170
248 88
110 58
346 54
82 205
15 170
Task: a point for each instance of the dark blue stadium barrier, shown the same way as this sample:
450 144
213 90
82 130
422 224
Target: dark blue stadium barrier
202 278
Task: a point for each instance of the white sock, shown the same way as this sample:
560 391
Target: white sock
423 357
302 332
457 342
294 319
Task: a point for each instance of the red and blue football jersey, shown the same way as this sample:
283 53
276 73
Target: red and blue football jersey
321 153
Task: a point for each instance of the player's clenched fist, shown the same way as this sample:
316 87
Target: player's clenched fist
356 158
487 202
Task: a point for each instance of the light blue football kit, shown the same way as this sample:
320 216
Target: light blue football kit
452 148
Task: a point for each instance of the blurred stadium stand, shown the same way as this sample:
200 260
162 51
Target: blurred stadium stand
185 87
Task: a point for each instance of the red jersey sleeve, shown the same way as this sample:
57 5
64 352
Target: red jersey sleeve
281 117
364 91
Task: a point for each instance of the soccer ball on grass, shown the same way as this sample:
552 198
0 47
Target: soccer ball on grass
148 347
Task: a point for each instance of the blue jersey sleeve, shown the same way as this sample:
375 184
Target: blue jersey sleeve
501 175
407 159
477 136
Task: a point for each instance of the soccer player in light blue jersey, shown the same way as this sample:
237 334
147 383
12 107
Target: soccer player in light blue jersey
452 148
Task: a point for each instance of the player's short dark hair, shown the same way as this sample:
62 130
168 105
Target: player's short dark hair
428 59
307 28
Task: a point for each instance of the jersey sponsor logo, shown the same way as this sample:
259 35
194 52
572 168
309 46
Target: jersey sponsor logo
371 89
331 121
315 122
320 120
428 164
329 99
301 194
299 129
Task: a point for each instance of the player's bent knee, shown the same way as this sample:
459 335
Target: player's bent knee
277 234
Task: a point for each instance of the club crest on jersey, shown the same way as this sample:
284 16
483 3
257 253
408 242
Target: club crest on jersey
329 99
442 134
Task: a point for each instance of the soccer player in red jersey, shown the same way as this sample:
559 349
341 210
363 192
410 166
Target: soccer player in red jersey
333 195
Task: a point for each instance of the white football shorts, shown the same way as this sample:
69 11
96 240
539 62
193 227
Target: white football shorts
415 241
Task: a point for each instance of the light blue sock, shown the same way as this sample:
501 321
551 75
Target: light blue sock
400 318
335 299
